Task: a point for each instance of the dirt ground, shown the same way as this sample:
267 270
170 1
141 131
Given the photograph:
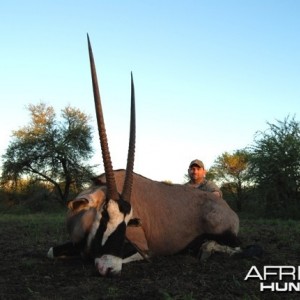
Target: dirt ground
26 273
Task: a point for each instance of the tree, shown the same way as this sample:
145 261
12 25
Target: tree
231 171
51 150
275 166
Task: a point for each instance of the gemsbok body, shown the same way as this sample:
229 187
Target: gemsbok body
124 216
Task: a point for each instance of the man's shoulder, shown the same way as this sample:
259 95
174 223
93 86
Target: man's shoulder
211 186
211 183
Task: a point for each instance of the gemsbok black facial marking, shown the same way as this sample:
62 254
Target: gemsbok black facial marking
107 237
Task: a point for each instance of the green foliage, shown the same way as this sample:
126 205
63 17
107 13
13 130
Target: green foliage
51 150
275 168
265 177
231 171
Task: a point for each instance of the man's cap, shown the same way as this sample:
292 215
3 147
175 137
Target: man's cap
197 162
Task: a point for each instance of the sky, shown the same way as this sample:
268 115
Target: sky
208 74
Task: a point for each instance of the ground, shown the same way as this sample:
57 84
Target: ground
26 273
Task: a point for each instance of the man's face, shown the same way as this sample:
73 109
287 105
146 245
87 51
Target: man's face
196 173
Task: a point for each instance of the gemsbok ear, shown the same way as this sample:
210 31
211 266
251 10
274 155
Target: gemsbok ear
77 204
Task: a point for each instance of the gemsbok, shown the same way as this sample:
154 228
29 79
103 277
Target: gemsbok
124 216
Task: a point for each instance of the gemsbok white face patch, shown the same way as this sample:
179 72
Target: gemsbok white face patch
116 217
109 265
